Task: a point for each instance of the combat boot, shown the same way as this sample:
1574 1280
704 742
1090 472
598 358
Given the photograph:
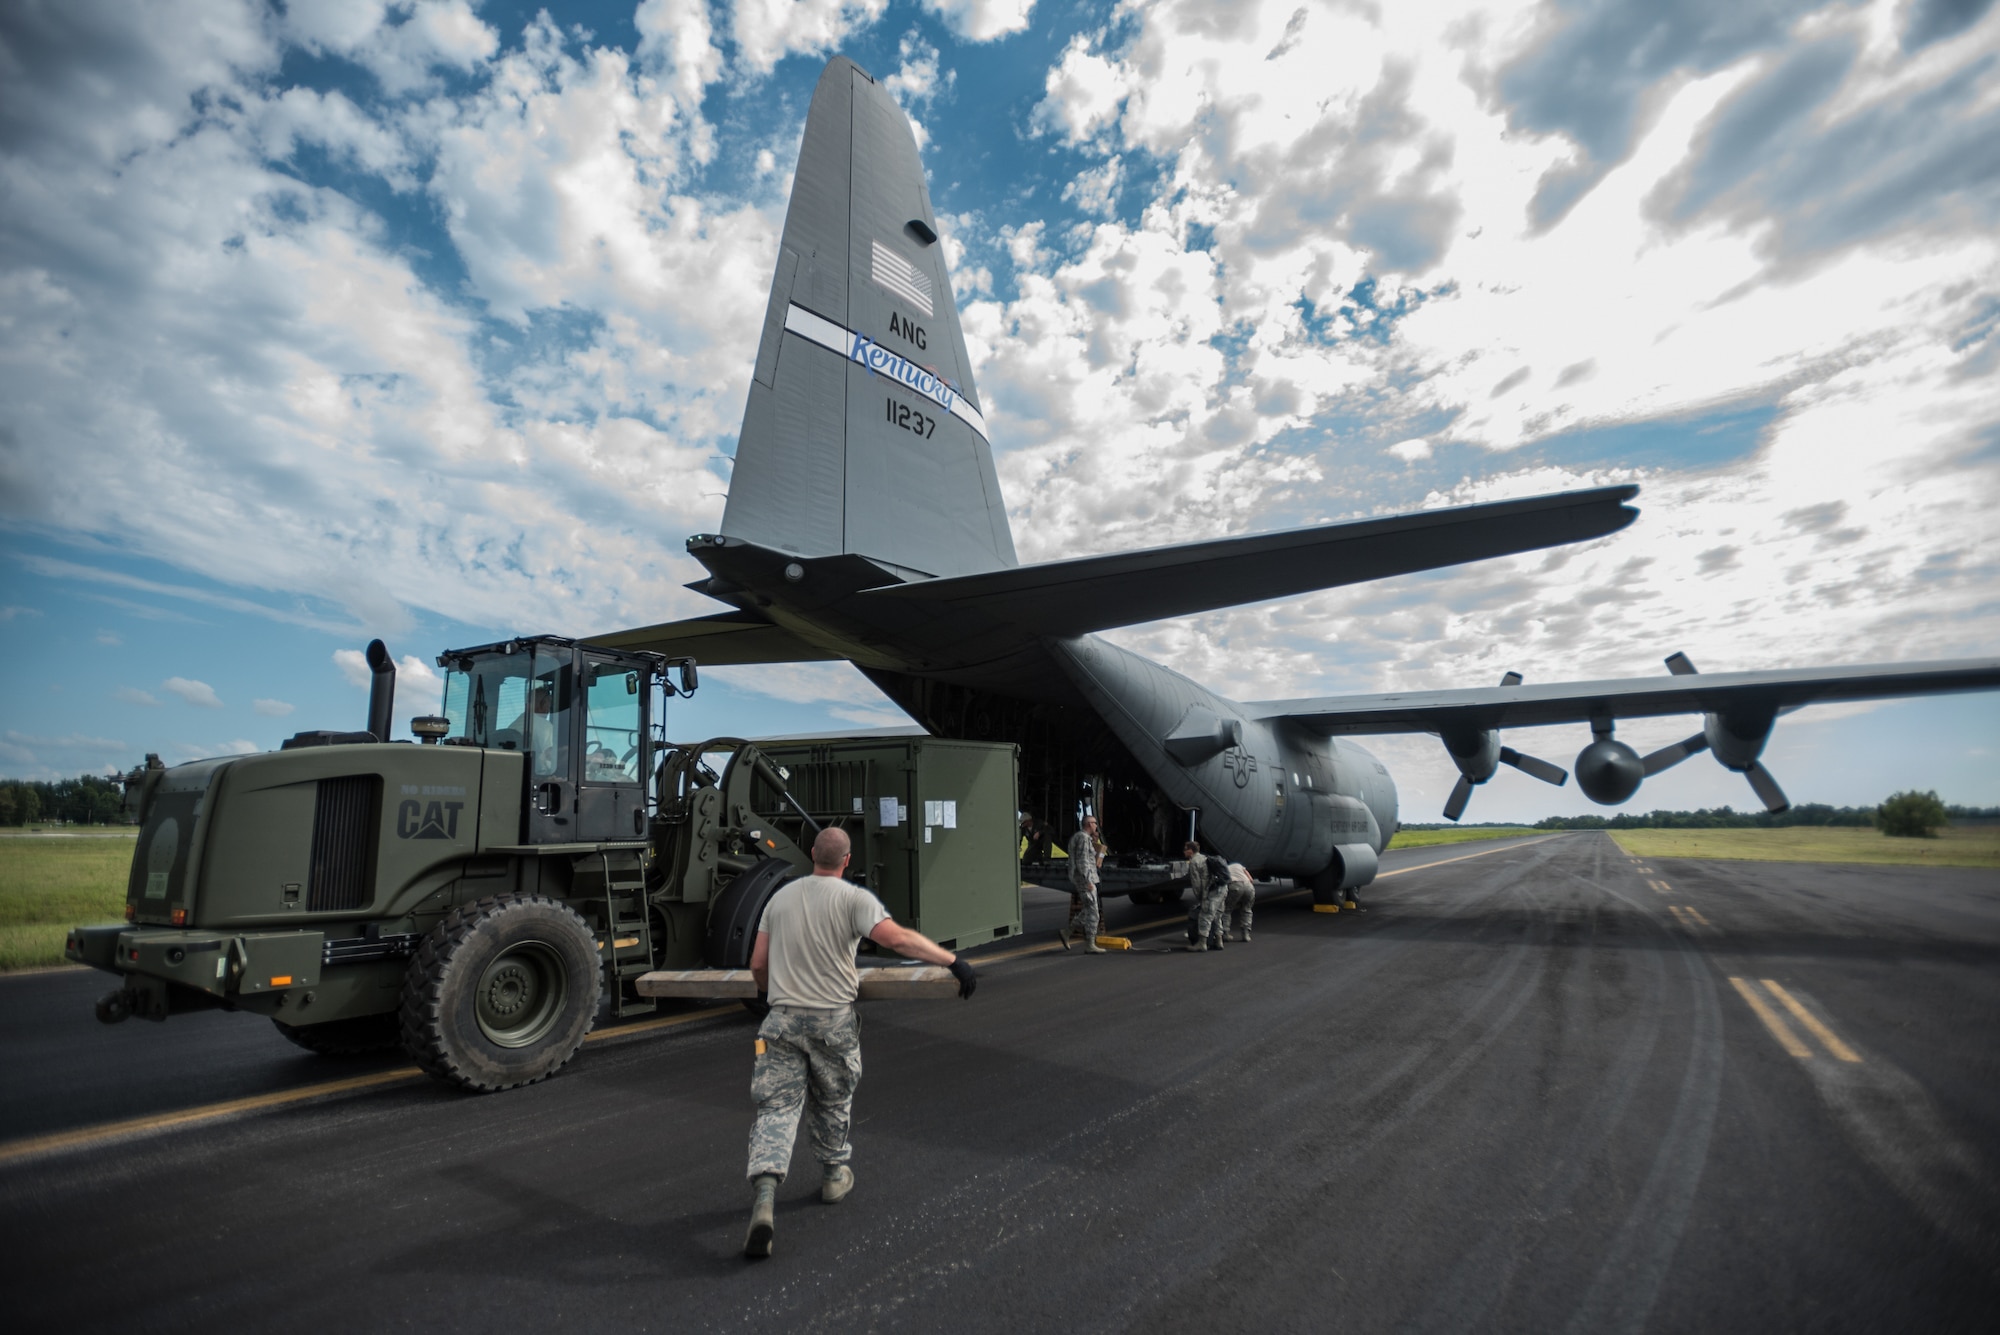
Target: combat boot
763 1216
1199 946
1063 936
1246 936
839 1181
1092 948
1216 944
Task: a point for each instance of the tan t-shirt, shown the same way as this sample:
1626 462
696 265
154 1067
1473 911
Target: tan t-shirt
815 923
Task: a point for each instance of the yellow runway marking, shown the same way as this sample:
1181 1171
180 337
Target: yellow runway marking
662 1022
1774 1022
1660 886
61 1140
1688 913
1814 1025
89 1135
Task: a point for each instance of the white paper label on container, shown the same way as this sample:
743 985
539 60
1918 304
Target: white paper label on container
950 821
888 815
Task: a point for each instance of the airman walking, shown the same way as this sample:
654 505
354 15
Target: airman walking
809 1046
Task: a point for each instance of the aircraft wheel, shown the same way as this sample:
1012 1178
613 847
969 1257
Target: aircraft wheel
352 1037
501 993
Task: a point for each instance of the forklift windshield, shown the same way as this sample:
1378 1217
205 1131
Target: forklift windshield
486 699
514 702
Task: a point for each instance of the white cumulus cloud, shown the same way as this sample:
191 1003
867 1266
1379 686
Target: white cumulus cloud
192 692
983 20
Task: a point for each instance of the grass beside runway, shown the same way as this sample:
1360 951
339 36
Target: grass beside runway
1427 838
1971 846
50 883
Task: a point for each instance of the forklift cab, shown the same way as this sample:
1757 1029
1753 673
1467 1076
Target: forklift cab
581 716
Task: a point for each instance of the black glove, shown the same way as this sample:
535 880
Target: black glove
967 979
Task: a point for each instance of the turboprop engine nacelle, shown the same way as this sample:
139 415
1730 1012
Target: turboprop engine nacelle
1607 770
1736 738
1478 754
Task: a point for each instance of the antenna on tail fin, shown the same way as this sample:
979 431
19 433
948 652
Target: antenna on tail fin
864 432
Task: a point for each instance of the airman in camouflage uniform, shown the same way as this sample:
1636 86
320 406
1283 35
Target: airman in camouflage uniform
802 1051
1240 903
1085 853
1210 882
809 1046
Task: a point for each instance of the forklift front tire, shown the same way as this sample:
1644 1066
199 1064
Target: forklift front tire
501 993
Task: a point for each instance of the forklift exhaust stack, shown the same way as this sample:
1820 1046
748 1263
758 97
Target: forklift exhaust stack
381 690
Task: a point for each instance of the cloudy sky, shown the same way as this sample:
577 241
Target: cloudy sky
433 320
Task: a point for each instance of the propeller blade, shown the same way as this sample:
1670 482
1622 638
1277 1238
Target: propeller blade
1767 788
1533 767
1669 756
1461 793
1681 665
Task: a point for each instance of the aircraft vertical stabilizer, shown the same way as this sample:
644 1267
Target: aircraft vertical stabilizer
864 432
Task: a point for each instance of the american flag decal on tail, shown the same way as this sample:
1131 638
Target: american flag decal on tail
903 278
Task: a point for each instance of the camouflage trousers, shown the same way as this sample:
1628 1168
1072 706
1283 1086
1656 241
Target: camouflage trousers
808 1061
1205 915
1083 910
1237 908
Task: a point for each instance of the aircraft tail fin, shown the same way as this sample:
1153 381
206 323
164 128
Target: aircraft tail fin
863 433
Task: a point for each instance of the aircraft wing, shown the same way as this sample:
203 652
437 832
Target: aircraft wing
1627 697
719 641
1064 598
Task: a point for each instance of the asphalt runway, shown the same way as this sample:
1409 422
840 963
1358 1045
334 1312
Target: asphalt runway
1540 1085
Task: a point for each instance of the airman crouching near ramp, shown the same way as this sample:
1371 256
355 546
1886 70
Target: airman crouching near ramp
1239 904
1085 856
809 1046
1209 878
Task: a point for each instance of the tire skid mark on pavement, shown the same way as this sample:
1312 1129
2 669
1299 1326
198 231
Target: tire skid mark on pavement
1635 1265
1294 1128
1464 1298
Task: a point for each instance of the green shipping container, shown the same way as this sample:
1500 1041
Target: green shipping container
935 831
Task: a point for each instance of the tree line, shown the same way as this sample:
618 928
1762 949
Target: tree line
1904 813
88 799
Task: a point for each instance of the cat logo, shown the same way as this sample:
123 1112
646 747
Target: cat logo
428 820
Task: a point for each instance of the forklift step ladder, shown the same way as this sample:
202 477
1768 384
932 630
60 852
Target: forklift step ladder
627 948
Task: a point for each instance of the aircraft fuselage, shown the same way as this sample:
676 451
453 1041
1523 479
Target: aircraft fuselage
1272 795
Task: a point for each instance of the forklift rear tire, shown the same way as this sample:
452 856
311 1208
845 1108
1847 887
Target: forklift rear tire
351 1037
501 993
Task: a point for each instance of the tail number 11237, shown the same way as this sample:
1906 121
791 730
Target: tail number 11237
908 418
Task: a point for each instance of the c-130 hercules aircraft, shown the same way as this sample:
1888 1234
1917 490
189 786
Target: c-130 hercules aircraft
865 522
